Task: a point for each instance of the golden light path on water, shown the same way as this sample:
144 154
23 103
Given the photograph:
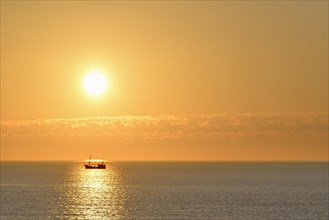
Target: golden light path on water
95 194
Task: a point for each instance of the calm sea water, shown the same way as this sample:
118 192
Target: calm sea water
164 190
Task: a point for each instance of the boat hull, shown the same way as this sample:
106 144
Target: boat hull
99 166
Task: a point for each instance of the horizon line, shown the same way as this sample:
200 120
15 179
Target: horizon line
111 161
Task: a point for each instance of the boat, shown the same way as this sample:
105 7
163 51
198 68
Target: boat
95 164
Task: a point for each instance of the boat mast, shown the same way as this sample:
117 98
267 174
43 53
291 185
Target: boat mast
89 160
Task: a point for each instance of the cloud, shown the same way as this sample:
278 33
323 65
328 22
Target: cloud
187 126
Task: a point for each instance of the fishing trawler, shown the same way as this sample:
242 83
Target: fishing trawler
95 164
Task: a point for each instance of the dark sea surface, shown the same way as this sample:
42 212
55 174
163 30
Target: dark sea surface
165 190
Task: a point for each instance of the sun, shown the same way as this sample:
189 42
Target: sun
95 83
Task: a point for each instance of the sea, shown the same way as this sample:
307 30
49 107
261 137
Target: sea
165 190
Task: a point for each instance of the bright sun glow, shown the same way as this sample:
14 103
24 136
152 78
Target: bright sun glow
95 83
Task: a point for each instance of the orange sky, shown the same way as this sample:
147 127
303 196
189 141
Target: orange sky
188 80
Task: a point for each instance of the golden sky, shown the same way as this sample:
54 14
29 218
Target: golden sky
215 80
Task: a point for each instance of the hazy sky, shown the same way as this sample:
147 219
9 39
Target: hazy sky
216 80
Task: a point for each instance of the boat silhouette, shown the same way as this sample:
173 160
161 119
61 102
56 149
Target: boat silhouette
95 164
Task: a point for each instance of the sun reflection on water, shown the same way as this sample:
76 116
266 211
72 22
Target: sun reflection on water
95 194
